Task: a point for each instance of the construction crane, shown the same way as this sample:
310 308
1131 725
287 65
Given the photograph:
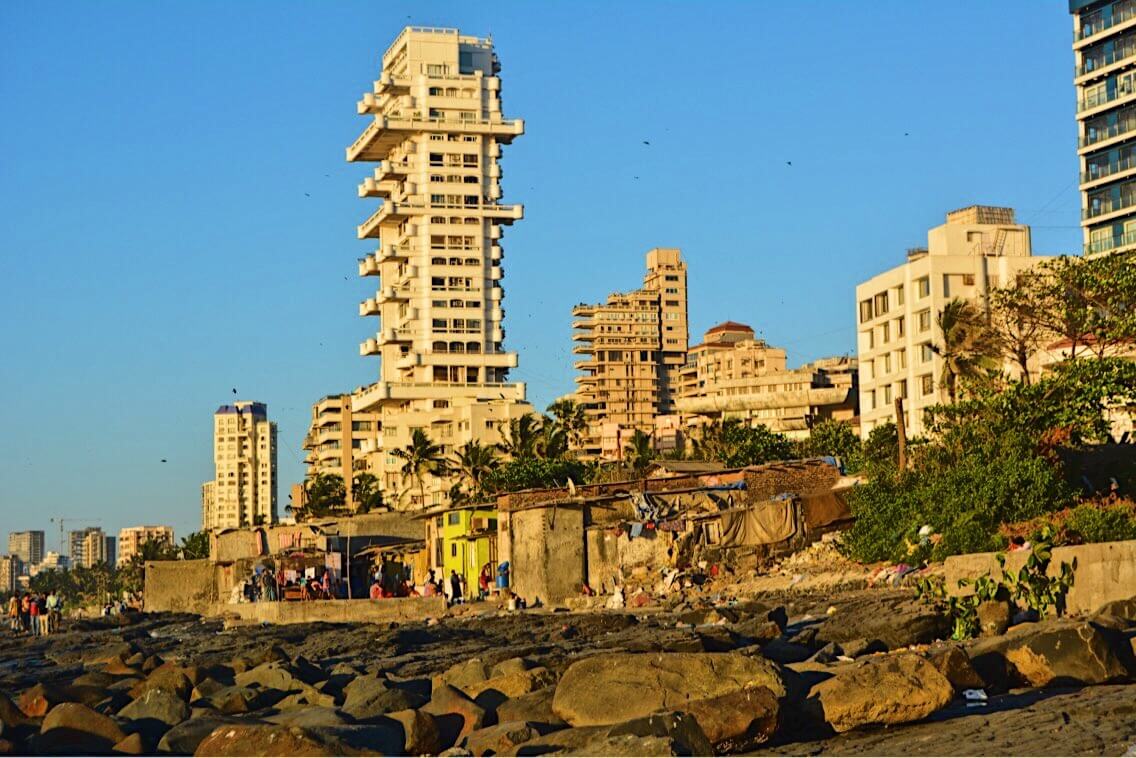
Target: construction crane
62 522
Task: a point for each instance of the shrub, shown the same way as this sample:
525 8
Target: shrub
1091 524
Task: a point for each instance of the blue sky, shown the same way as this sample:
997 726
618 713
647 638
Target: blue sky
179 220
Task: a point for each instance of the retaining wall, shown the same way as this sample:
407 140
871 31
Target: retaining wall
1102 572
336 611
179 587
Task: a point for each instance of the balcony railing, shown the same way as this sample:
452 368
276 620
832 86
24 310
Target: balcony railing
1124 203
1121 12
1112 243
1122 125
1126 163
1089 65
1103 98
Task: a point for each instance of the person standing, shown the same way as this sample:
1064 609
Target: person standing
455 587
26 613
14 614
52 612
33 615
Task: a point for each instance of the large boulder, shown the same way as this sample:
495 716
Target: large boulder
318 716
370 696
897 620
420 735
535 707
456 714
658 734
738 720
615 687
893 689
166 678
157 706
464 674
272 739
496 690
184 738
500 739
953 663
274 675
75 729
1067 653
993 617
40 698
236 699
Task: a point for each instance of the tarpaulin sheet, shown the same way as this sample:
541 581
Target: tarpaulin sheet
763 524
824 509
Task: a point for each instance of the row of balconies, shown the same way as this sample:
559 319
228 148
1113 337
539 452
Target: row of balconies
386 132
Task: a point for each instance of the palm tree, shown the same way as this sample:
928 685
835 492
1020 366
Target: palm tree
639 451
473 461
366 492
968 349
419 458
522 438
553 440
571 418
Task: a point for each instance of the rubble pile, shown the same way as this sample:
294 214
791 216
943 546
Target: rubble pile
711 675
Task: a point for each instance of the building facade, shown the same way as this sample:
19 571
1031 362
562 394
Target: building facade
436 130
87 547
632 349
27 546
733 375
977 249
10 570
1104 49
131 539
339 441
243 493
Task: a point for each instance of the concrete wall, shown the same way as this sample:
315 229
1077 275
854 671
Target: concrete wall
179 587
336 611
547 553
1103 572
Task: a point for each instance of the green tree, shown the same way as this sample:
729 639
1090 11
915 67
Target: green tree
1017 320
194 546
639 452
570 417
968 348
835 438
534 473
553 439
366 492
521 438
473 462
324 495
734 445
421 457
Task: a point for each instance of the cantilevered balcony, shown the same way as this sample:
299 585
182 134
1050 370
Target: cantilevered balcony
369 265
369 307
369 346
1121 243
1104 99
386 132
389 211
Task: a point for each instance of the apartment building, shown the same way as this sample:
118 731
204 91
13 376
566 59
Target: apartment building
243 492
977 249
10 570
27 546
733 375
1104 49
87 547
436 130
132 538
339 439
632 348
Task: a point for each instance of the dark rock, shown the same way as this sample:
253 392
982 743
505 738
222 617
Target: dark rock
184 738
1067 653
319 716
783 652
501 739
168 679
131 744
369 696
1123 609
952 662
893 689
233 700
273 739
806 637
897 620
97 679
10 715
737 721
535 707
514 684
159 706
858 647
614 687
420 733
659 734
204 689
74 729
464 674
455 713
151 663
40 698
993 617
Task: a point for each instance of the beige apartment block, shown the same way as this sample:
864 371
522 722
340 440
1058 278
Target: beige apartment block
632 348
243 493
27 546
10 568
87 547
436 130
977 249
132 538
1104 49
340 439
733 375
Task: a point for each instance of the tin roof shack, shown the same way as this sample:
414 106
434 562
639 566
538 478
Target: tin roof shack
462 538
637 532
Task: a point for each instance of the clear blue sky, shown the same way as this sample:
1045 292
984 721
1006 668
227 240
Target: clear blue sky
178 218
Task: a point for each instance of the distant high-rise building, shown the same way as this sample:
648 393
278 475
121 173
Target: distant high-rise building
111 544
633 348
131 540
28 546
339 441
977 249
436 130
86 546
244 454
10 570
1104 48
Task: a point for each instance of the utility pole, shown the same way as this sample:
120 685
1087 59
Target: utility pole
901 433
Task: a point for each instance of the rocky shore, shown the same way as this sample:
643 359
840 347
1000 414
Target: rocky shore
855 673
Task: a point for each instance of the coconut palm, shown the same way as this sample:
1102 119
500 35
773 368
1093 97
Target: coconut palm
968 349
571 418
366 493
473 462
521 439
421 457
639 452
553 440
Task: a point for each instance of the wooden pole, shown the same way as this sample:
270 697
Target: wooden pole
901 433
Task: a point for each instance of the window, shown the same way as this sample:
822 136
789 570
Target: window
887 394
899 295
899 322
870 400
885 333
923 287
465 62
926 385
435 91
924 321
436 159
880 304
865 310
968 280
672 303
901 358
901 389
869 338
925 352
469 160
672 277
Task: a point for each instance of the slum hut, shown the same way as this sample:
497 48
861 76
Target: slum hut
462 539
636 533
390 564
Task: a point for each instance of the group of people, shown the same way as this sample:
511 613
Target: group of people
34 613
264 585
